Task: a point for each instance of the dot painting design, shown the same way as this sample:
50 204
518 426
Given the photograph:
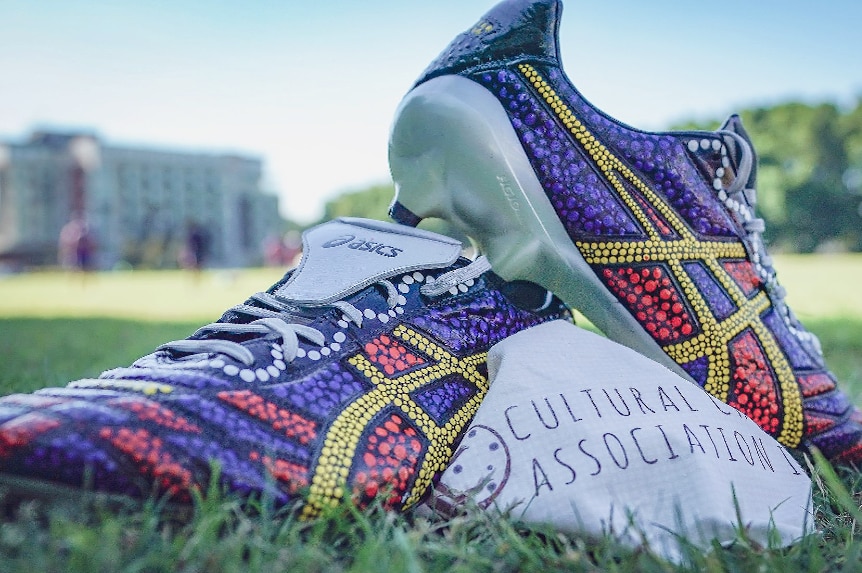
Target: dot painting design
23 430
380 416
815 384
347 431
745 276
293 475
650 295
632 200
151 411
667 253
660 224
387 460
443 397
147 450
293 425
714 296
390 356
754 391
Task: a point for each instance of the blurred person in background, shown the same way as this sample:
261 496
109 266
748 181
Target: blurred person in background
77 245
195 248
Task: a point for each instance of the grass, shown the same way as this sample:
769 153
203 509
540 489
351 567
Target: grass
53 329
141 295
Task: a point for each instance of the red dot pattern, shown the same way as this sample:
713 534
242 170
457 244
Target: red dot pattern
293 476
851 455
653 299
146 451
815 384
815 424
389 461
391 356
293 425
745 275
659 223
152 412
753 386
21 431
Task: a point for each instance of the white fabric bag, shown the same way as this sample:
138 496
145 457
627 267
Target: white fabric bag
585 434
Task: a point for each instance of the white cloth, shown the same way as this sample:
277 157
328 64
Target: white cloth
590 436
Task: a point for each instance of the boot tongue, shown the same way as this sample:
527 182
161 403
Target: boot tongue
346 255
734 124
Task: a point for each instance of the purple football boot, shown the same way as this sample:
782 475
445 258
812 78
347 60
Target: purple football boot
653 236
355 375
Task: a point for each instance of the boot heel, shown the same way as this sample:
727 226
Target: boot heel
454 155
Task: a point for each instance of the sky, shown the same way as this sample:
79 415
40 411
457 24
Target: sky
311 87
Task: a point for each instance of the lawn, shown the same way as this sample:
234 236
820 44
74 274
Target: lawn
57 327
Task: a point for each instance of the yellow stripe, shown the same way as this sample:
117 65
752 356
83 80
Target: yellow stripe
329 482
715 337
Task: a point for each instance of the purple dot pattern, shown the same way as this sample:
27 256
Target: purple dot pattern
680 190
585 206
161 424
661 159
443 398
698 369
718 301
799 358
481 323
329 388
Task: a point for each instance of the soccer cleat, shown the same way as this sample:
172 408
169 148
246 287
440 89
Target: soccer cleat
355 375
653 236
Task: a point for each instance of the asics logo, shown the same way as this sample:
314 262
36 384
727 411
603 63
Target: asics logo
360 244
511 196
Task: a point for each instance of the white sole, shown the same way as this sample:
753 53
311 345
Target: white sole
454 154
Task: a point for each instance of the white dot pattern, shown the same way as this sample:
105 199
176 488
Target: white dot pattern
745 211
267 372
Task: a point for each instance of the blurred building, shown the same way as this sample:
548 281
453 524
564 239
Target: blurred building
138 202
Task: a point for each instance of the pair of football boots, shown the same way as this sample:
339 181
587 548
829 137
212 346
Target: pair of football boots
356 375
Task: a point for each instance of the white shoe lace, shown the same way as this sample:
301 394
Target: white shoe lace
741 199
275 314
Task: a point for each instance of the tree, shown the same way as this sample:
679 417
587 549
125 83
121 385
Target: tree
373 203
809 173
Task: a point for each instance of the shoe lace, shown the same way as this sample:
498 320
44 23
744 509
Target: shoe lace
742 200
273 315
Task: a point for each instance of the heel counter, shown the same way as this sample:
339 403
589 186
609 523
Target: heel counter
512 31
452 155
